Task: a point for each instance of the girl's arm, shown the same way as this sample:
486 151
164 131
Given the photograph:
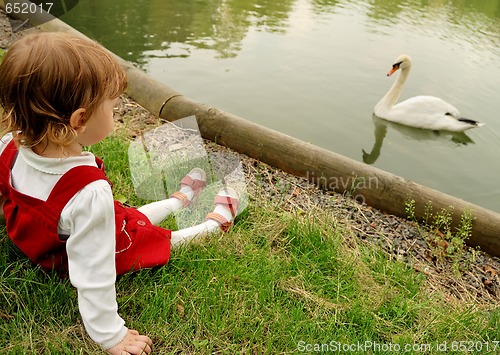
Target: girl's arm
90 218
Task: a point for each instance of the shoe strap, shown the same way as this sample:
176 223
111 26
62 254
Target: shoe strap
230 202
224 224
195 184
181 196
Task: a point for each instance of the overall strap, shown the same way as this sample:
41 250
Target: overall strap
7 159
68 186
9 153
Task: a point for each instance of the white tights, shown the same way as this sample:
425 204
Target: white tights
158 211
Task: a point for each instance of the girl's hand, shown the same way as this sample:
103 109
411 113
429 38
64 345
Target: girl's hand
132 344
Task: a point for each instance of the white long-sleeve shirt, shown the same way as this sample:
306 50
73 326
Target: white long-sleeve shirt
89 221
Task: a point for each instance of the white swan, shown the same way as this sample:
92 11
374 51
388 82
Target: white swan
427 112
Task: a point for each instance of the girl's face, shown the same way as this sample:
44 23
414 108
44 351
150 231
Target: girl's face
99 125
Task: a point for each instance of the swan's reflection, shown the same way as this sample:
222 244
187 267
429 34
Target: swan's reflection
381 125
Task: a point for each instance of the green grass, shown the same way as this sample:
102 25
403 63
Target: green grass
275 283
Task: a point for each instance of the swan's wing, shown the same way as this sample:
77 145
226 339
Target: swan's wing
425 112
427 105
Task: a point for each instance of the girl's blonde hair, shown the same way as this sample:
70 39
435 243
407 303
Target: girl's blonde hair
45 77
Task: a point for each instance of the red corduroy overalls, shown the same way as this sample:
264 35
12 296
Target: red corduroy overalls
32 223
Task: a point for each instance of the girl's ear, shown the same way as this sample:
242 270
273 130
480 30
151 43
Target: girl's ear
77 120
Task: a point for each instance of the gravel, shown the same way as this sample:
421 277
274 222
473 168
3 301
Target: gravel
470 275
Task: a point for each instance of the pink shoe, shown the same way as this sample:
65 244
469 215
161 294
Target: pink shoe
197 185
228 198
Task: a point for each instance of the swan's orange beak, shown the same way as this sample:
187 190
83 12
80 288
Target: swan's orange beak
394 68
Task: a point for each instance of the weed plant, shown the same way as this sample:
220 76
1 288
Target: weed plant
444 242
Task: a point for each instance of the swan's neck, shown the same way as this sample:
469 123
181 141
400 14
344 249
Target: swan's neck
394 92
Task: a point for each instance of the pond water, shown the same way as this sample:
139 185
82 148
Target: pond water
314 69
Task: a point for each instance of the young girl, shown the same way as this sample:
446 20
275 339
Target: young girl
58 93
